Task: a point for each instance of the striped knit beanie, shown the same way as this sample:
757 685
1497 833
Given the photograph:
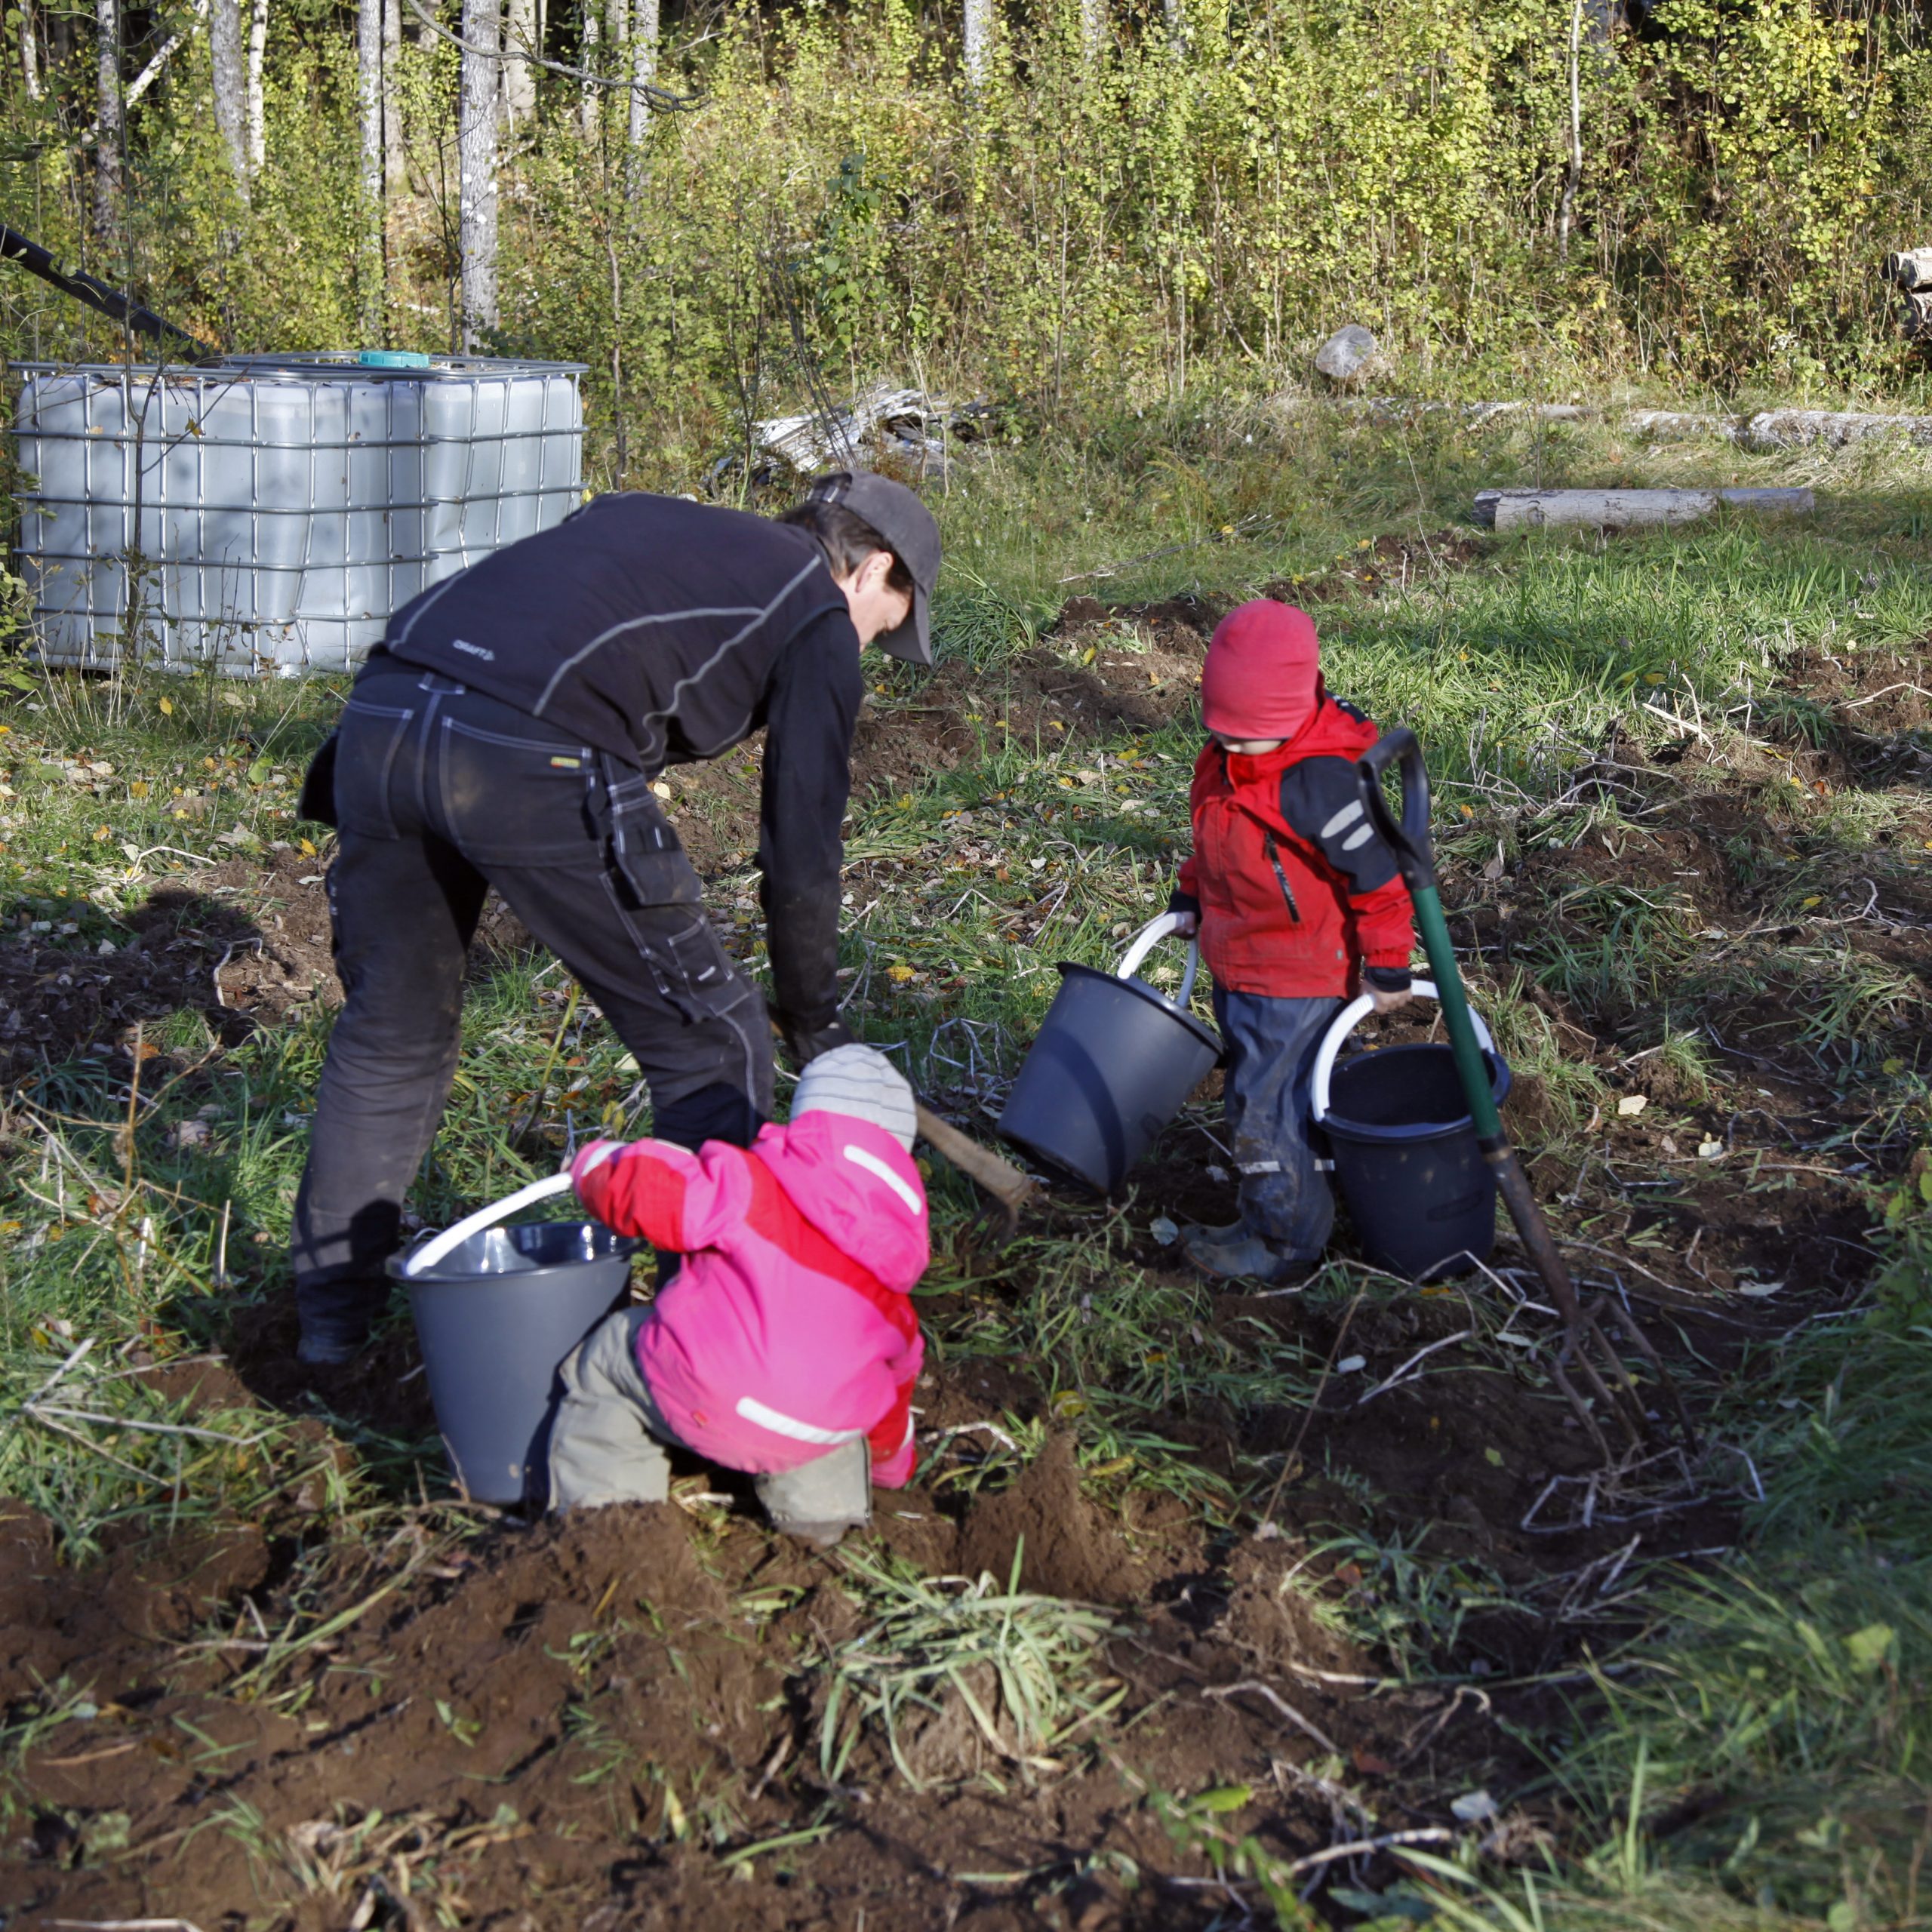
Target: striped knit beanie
861 1082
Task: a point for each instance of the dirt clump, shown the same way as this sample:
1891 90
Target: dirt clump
1065 1544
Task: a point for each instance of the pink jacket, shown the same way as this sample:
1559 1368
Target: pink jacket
789 1329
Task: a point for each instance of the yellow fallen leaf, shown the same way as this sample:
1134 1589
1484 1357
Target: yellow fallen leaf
138 789
101 832
1805 905
168 707
306 848
899 974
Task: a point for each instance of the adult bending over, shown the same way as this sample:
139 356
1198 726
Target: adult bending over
507 733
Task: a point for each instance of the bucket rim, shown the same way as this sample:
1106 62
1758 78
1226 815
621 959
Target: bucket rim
1070 969
622 1248
1501 1082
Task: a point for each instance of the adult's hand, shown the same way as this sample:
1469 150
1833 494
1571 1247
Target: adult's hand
1389 999
804 1044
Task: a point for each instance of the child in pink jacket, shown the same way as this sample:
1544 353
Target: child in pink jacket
786 1346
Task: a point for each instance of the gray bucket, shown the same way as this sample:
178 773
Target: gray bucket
496 1317
1113 1062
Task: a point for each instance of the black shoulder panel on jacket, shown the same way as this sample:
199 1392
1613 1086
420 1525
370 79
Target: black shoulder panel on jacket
1321 803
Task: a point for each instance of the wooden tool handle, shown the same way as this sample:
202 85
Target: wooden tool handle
998 1177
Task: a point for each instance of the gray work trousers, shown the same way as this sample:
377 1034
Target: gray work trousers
607 1446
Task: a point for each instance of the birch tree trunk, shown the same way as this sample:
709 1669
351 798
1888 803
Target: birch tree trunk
1573 173
369 288
476 158
395 159
592 39
1092 27
258 49
644 69
1175 13
30 52
109 122
979 39
230 75
519 76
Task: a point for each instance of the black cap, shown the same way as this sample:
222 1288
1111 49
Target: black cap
911 535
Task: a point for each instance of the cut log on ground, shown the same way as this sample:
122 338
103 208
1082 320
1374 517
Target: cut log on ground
1676 425
1910 268
1627 509
1784 429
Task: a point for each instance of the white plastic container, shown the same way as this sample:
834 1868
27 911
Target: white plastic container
268 513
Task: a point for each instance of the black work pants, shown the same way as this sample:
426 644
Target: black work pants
440 793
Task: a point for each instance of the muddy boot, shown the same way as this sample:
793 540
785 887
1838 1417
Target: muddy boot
1236 1254
336 1321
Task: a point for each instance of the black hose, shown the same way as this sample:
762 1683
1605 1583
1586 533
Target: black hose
15 247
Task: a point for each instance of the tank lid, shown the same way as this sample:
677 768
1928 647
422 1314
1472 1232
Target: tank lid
391 358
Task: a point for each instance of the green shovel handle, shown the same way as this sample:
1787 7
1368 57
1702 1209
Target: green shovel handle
1407 838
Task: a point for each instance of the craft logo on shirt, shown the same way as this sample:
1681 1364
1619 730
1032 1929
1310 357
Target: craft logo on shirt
474 649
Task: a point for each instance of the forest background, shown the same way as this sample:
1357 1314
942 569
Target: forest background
1063 206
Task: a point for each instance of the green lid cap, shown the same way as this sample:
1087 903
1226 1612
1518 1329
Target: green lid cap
393 359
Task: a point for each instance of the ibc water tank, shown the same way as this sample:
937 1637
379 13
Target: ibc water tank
267 513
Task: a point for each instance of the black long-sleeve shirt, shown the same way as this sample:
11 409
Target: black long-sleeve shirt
663 632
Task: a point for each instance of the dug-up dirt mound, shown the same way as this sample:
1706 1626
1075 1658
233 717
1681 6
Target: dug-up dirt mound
1065 1546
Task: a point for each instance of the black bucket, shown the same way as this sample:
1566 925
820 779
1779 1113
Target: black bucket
1418 1188
1113 1063
496 1317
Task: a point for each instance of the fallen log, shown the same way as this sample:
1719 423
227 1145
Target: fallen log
1786 428
1626 509
1909 269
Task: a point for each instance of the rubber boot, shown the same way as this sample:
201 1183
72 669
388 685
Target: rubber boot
1236 1252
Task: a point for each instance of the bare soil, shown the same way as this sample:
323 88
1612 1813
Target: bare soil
579 1723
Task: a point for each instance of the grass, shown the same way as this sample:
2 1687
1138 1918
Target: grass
1768 1744
1024 1668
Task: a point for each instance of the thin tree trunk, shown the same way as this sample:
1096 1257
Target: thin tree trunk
230 74
109 121
1176 14
1566 212
519 76
1092 27
476 162
593 35
396 159
369 104
258 49
30 52
644 69
979 38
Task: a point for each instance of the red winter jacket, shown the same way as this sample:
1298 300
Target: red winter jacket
1297 891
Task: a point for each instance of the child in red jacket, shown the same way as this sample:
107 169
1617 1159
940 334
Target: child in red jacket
1298 905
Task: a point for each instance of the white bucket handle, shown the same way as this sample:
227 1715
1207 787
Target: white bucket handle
1345 1024
1144 942
433 1250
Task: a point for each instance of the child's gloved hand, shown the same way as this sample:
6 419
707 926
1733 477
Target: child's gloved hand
592 1154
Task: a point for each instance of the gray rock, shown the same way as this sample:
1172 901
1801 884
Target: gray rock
1346 353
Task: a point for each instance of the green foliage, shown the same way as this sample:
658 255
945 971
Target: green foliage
1086 223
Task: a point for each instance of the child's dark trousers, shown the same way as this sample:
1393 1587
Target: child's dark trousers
1284 1198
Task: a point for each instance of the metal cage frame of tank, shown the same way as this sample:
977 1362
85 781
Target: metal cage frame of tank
267 514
